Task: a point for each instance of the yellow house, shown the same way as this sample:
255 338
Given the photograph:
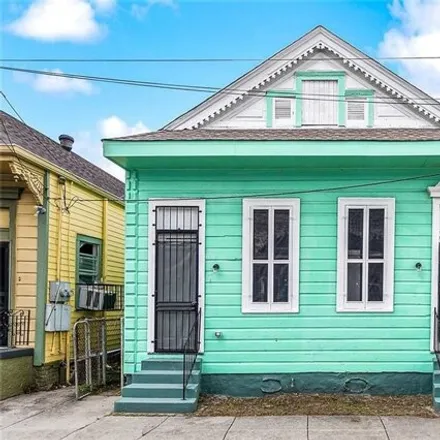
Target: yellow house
61 232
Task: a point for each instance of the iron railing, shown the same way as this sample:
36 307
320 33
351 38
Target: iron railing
99 296
191 349
14 327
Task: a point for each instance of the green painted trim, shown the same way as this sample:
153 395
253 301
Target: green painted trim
217 149
269 111
11 193
42 275
339 76
255 385
370 110
88 239
359 92
320 74
342 106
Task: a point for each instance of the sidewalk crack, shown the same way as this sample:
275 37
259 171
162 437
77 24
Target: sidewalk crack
230 426
384 427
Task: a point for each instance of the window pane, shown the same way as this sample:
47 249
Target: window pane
281 234
376 224
261 225
355 233
281 283
375 282
259 284
354 282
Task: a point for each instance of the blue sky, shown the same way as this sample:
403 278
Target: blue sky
180 29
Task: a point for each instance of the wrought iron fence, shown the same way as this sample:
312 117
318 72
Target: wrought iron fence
100 296
14 327
96 354
190 352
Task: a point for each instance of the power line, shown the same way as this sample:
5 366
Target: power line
210 89
285 193
12 107
199 60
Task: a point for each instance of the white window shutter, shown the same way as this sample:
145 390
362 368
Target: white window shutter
320 102
283 109
356 109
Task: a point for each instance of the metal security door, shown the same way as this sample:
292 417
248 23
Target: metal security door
176 290
4 292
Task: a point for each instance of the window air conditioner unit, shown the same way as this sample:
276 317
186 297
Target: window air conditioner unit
91 298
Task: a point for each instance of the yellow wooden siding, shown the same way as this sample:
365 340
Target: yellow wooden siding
24 295
84 218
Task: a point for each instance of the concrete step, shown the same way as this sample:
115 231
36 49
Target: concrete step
168 390
155 405
436 404
163 376
436 390
166 364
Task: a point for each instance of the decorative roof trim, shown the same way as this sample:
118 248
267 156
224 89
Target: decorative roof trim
288 66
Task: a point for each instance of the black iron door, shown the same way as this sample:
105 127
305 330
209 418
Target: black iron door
4 292
177 276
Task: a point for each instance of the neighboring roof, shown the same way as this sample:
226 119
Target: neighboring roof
42 146
318 39
299 134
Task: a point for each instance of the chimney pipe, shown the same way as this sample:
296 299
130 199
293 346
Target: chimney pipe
66 141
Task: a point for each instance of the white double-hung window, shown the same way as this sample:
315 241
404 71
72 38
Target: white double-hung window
365 255
270 255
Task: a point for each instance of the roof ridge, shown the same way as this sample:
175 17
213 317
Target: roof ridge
87 171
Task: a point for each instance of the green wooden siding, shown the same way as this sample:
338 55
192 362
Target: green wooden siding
317 338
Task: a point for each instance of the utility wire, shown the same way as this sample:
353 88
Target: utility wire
198 60
212 89
285 193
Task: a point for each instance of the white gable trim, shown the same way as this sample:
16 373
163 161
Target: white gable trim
318 40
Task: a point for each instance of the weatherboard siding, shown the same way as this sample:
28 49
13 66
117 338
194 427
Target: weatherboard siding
317 338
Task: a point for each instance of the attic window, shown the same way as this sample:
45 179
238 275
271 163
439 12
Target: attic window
356 110
282 109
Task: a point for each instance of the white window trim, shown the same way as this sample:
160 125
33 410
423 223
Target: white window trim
285 122
387 305
152 205
292 306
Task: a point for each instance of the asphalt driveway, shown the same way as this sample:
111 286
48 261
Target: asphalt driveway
56 415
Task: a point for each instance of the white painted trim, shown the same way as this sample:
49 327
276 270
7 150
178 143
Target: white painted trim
284 122
434 261
152 205
387 305
293 305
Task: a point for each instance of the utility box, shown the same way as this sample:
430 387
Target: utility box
57 317
59 291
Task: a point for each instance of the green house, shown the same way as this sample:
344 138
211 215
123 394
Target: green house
283 236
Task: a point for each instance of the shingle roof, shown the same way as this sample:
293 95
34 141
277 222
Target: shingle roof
46 148
312 134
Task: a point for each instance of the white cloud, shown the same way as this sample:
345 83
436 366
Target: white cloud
104 5
415 34
60 20
88 143
113 126
56 84
140 10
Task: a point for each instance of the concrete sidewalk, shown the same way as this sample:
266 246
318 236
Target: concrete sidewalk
57 415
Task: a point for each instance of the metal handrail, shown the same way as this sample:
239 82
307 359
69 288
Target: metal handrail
190 352
437 335
15 327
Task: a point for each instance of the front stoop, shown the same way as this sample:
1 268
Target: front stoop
436 386
157 388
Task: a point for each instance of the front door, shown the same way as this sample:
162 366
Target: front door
177 276
4 292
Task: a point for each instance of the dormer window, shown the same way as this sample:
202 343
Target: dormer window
282 112
320 104
356 112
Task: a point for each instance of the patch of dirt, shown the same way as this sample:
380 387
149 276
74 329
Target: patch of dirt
317 404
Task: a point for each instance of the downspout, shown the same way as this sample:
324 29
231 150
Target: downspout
104 240
42 270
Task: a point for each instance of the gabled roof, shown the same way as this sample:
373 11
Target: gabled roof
309 134
42 146
320 40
